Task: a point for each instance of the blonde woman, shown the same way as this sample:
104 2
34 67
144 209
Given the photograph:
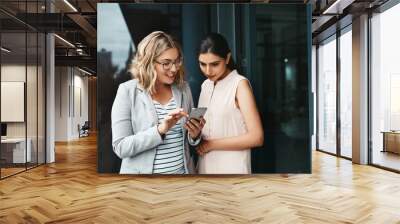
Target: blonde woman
150 130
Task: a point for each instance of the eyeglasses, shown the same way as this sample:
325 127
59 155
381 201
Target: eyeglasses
167 65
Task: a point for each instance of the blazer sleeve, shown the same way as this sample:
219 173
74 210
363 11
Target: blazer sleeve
126 143
192 142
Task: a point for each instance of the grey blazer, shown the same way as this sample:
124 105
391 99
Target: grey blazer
134 127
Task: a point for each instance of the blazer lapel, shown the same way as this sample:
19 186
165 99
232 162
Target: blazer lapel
148 102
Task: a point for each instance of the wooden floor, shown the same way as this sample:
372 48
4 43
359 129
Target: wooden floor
8 171
386 159
5 172
71 191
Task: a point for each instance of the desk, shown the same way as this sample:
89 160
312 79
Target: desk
391 141
13 150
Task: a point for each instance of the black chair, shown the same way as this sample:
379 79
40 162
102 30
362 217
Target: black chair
84 130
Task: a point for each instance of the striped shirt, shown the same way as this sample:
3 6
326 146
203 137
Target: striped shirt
169 154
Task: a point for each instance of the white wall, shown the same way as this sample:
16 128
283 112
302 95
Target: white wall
80 102
71 102
61 103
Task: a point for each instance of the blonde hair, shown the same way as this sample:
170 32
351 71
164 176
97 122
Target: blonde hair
152 46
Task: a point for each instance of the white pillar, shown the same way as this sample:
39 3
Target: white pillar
360 90
50 93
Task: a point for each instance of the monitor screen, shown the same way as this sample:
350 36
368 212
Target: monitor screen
3 129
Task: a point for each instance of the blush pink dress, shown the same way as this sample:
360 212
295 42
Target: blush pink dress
223 119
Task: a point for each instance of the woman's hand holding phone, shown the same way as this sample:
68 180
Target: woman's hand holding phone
194 127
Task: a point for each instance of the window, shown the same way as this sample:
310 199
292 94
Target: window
385 88
327 96
346 93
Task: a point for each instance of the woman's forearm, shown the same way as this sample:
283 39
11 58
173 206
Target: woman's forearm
129 144
246 141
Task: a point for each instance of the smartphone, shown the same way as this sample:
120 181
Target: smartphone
197 113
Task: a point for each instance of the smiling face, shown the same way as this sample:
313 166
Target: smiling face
167 66
213 66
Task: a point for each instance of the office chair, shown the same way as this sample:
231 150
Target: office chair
84 130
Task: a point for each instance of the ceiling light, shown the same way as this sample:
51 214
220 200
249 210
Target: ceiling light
337 7
70 5
79 51
84 71
5 50
329 9
65 41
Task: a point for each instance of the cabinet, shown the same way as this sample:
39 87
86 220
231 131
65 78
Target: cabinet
391 141
13 150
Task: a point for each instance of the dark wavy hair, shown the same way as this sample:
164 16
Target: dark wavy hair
216 44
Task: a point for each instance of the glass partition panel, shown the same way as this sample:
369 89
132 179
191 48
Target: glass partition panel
346 94
22 87
14 153
41 87
31 97
327 96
